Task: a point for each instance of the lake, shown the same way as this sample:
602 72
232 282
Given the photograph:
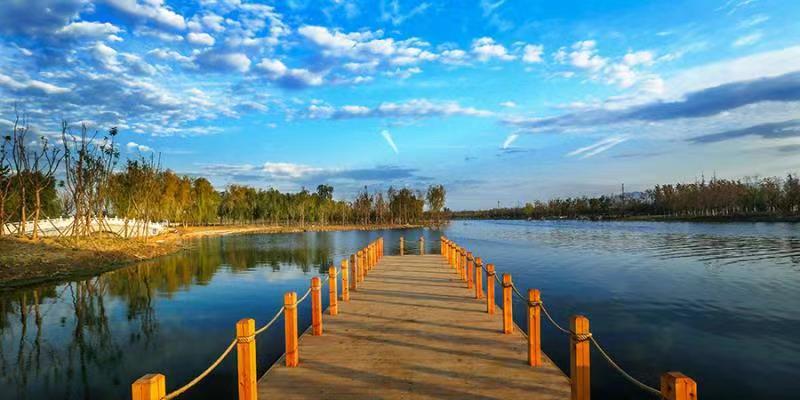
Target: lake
718 302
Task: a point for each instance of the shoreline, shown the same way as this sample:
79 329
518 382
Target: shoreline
651 218
25 262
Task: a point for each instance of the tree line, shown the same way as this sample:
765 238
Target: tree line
773 197
82 176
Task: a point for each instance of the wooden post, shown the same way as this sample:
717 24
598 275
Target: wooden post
333 306
478 278
345 281
534 328
360 266
579 358
316 306
490 288
422 245
402 244
508 316
290 318
354 279
368 258
464 265
450 253
246 358
149 387
470 270
677 386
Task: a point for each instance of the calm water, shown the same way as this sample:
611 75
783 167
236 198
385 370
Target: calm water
719 302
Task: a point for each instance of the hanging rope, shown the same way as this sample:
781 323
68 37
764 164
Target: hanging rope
624 374
200 377
272 321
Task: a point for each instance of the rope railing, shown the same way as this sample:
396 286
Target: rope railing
673 386
152 386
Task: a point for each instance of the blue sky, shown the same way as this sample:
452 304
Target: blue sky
498 100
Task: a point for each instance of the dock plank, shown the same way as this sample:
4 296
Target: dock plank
412 331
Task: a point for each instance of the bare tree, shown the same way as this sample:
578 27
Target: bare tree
6 176
88 165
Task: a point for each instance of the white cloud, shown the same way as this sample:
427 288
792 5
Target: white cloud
757 19
584 55
150 10
748 40
486 49
597 148
135 147
510 140
277 71
281 170
30 86
171 55
532 53
755 66
638 58
454 57
106 57
508 104
89 30
418 108
395 16
200 38
388 137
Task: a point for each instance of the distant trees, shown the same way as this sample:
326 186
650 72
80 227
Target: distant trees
771 196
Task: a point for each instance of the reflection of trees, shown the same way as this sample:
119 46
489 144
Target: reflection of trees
37 360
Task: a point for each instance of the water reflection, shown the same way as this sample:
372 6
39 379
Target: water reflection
660 296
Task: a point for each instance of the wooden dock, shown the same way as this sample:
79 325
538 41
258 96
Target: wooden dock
417 328
413 330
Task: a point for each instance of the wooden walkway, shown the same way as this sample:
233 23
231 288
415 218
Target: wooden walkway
413 331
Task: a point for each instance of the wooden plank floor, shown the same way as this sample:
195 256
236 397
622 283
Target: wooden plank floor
412 331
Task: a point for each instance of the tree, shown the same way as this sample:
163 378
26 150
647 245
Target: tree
436 197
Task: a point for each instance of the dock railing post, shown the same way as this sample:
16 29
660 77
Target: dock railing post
508 315
422 245
290 324
333 306
457 262
579 372
246 358
354 279
464 264
478 278
149 387
451 255
470 270
345 281
402 244
360 266
490 288
316 306
534 328
677 386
